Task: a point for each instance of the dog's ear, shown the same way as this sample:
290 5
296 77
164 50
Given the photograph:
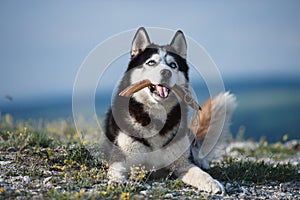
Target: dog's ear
140 41
179 44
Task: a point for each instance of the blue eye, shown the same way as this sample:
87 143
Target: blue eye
151 63
173 65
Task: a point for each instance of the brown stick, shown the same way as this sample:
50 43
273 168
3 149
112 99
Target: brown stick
186 97
130 90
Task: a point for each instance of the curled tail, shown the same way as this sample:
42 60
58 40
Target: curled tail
210 125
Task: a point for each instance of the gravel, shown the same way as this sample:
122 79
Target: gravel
15 184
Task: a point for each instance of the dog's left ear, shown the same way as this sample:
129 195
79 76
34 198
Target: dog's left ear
179 44
140 41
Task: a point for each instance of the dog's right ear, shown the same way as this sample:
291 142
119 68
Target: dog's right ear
140 41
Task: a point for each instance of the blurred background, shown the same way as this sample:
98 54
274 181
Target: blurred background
255 45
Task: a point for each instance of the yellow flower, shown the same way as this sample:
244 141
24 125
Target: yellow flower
50 153
176 182
104 193
2 190
142 175
125 196
92 170
277 145
73 162
97 176
83 167
110 187
285 137
80 193
62 168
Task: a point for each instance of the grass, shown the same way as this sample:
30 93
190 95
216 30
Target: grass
258 172
60 167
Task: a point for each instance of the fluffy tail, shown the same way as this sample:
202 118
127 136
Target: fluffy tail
210 126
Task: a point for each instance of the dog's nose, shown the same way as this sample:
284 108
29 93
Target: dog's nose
165 73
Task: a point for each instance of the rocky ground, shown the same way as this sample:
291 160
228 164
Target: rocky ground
68 172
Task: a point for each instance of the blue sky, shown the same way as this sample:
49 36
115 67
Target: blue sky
43 43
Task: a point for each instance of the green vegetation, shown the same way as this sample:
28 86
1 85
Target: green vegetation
60 167
258 172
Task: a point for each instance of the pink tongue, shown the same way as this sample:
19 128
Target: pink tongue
163 91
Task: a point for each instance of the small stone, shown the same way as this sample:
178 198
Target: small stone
12 149
273 183
144 192
242 196
26 179
58 187
169 195
138 197
46 180
228 187
282 194
5 162
282 187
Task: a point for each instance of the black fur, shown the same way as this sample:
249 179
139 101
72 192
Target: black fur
182 64
136 111
140 59
173 119
128 107
112 130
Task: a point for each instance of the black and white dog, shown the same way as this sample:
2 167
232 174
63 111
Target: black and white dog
150 128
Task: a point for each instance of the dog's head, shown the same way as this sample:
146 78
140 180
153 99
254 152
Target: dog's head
163 65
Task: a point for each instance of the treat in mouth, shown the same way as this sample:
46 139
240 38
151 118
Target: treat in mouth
159 90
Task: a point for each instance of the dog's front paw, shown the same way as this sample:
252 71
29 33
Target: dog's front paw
203 181
212 186
117 173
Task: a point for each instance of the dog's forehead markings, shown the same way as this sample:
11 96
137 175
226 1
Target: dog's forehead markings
160 56
162 53
170 59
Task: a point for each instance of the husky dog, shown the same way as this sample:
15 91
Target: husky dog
150 128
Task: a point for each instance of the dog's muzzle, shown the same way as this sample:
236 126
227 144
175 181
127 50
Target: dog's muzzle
166 73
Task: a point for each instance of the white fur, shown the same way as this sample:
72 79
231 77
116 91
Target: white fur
175 155
153 73
196 177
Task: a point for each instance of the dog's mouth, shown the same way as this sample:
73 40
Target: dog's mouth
159 90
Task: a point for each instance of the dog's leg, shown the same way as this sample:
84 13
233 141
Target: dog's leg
118 169
117 172
124 157
194 176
